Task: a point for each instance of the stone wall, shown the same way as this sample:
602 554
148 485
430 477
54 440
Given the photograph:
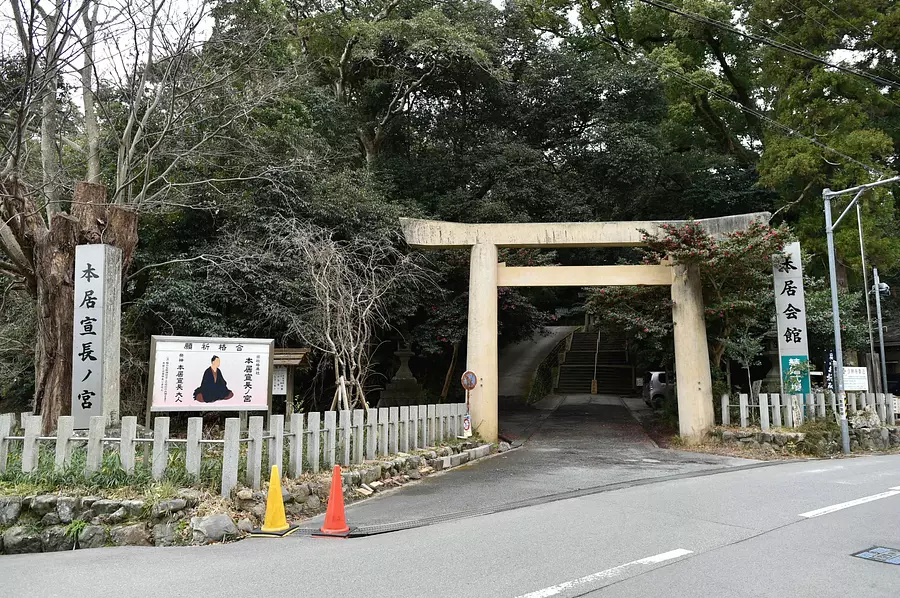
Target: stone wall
818 442
51 522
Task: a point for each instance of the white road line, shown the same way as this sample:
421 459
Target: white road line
848 504
607 574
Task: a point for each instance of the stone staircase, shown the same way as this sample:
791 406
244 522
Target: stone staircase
614 374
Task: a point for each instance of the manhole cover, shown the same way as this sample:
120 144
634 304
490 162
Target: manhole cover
882 554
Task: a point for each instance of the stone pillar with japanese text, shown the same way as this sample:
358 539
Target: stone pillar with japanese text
790 312
96 333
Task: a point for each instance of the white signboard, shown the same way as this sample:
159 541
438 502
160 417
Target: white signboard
790 313
279 380
210 374
95 334
856 379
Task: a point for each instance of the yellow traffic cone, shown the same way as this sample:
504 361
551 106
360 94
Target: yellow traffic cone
276 524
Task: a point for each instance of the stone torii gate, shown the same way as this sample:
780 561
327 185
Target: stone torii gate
695 405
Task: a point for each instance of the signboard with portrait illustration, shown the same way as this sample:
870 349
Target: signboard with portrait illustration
210 374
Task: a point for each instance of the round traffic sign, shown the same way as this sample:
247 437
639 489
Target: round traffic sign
467 423
469 380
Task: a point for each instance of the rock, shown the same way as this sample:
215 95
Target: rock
92 536
259 511
314 502
88 501
213 528
779 439
50 519
286 496
54 539
190 495
244 494
43 504
504 446
164 534
134 508
118 516
370 474
245 525
414 474
301 493
167 507
753 444
766 437
130 535
885 437
866 418
105 506
10 509
87 515
65 508
21 540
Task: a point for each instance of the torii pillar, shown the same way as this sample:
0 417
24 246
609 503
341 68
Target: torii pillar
695 401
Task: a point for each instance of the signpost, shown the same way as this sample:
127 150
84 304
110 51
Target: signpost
280 380
210 374
790 314
96 333
856 379
469 381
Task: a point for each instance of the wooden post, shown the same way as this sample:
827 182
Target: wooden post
431 421
382 431
879 402
254 451
726 416
764 411
371 434
330 440
832 401
6 427
851 401
393 425
295 445
314 424
801 414
96 429
404 429
359 418
414 427
193 450
126 443
870 402
160 446
744 409
231 454
789 411
30 449
820 404
346 432
65 427
276 443
776 408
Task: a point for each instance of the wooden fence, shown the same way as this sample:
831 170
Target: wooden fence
312 440
774 410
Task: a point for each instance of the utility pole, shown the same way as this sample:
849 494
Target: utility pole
862 253
878 292
827 194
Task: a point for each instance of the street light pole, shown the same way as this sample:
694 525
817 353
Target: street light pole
838 356
881 336
862 253
827 194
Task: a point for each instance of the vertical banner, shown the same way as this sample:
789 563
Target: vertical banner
790 313
95 334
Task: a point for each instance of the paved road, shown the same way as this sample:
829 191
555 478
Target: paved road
518 362
741 533
575 442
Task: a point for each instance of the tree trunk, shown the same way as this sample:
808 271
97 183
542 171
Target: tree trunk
92 221
449 377
91 127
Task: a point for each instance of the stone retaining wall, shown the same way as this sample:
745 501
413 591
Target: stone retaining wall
816 443
50 522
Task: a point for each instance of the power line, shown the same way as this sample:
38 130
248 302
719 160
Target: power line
772 43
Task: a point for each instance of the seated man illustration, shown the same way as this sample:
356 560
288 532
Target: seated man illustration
213 387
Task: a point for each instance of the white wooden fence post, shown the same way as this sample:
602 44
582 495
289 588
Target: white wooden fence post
889 399
832 401
764 411
231 454
276 442
810 406
346 430
800 416
372 434
160 446
295 465
820 404
126 443
64 431
359 419
403 430
776 408
192 448
851 401
870 402
726 416
314 424
6 427
742 397
423 426
789 411
96 429
879 402
393 429
254 451
30 449
382 431
432 423
330 439
414 427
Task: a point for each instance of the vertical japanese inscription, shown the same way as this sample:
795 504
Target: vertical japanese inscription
790 314
87 333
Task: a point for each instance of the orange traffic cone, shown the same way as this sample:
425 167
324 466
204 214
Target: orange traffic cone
276 524
335 522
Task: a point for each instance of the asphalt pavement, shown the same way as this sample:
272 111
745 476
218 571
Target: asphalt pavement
787 529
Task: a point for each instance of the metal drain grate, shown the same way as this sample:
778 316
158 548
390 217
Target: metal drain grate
881 554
